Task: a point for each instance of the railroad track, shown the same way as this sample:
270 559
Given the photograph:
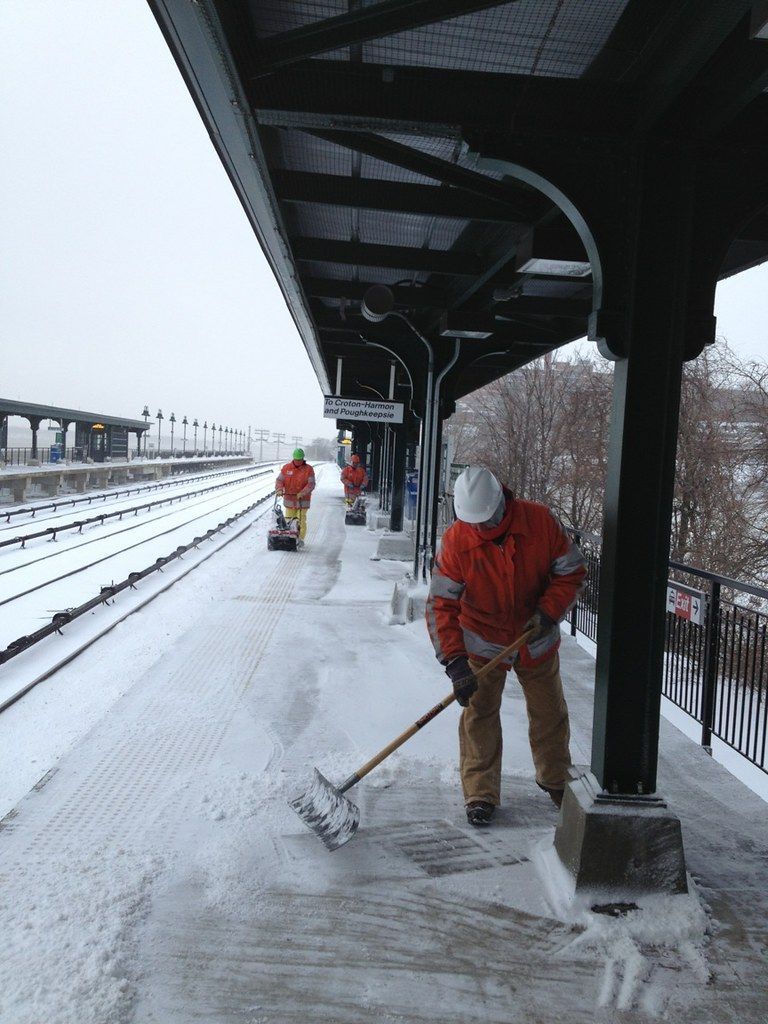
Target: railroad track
17 687
70 502
51 532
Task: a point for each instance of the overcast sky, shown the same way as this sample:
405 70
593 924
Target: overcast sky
129 271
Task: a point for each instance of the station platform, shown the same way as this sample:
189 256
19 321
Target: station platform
20 484
157 875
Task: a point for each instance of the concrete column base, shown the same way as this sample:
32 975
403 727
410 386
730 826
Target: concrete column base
51 484
19 489
409 601
618 845
80 482
398 547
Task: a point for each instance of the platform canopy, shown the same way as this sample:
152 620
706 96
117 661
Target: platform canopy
35 413
352 133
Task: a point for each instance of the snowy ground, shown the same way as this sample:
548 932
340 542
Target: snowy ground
156 875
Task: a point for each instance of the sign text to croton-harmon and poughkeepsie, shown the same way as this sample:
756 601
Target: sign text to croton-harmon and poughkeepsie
337 408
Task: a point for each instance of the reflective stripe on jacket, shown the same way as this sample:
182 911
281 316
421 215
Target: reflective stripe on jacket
484 591
354 477
297 483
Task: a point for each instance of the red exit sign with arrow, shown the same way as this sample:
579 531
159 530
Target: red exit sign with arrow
686 603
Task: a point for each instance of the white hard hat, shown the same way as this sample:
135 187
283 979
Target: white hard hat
476 495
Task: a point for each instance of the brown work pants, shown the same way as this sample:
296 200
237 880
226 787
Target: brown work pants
548 730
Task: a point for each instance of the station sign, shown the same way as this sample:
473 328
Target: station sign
338 408
686 603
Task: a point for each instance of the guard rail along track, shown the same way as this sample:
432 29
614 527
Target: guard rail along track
63 618
176 481
51 531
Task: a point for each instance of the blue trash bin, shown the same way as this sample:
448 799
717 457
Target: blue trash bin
55 454
411 493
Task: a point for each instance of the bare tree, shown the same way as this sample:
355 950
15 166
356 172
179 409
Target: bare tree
543 430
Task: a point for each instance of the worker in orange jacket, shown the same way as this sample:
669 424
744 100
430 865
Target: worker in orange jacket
504 567
294 484
354 478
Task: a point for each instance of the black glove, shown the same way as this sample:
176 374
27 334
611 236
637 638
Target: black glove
540 622
463 679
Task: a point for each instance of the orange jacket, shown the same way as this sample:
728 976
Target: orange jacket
485 586
354 477
296 483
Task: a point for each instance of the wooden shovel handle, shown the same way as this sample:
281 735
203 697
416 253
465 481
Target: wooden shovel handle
432 713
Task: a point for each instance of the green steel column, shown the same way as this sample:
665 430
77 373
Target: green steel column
641 468
398 478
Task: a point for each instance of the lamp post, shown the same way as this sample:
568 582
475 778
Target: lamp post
195 425
159 421
145 414
213 438
172 421
205 437
221 430
378 304
184 439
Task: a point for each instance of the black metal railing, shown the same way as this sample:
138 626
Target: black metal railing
716 651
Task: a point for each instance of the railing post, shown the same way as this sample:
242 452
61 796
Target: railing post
577 541
711 645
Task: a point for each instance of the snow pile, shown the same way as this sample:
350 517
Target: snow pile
79 933
650 947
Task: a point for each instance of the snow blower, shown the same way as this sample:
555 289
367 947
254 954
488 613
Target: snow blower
323 807
284 535
356 514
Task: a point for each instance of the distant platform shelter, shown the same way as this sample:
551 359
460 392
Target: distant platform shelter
97 436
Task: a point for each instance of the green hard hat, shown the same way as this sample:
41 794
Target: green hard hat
298 453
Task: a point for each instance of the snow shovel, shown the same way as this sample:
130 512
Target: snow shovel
323 807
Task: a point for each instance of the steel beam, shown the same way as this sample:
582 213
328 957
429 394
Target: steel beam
325 93
387 196
524 205
325 250
405 297
358 26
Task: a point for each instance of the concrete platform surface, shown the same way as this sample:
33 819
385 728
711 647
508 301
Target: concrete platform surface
158 876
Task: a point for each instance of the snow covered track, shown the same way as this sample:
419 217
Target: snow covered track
50 508
159 877
34 667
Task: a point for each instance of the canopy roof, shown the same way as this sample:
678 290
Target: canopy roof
57 412
347 129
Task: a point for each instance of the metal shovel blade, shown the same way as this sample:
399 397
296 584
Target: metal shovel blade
327 812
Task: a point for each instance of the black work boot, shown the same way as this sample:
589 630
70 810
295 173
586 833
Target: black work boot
555 795
479 812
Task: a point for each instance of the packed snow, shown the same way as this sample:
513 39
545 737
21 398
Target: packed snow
157 874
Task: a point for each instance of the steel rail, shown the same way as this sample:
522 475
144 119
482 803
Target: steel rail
176 481
112 591
112 554
52 531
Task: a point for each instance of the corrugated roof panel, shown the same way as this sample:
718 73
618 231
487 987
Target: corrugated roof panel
334 271
559 38
408 229
303 152
335 222
270 17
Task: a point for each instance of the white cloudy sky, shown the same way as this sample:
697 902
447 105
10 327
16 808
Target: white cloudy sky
129 272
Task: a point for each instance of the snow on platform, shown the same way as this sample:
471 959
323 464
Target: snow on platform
157 875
